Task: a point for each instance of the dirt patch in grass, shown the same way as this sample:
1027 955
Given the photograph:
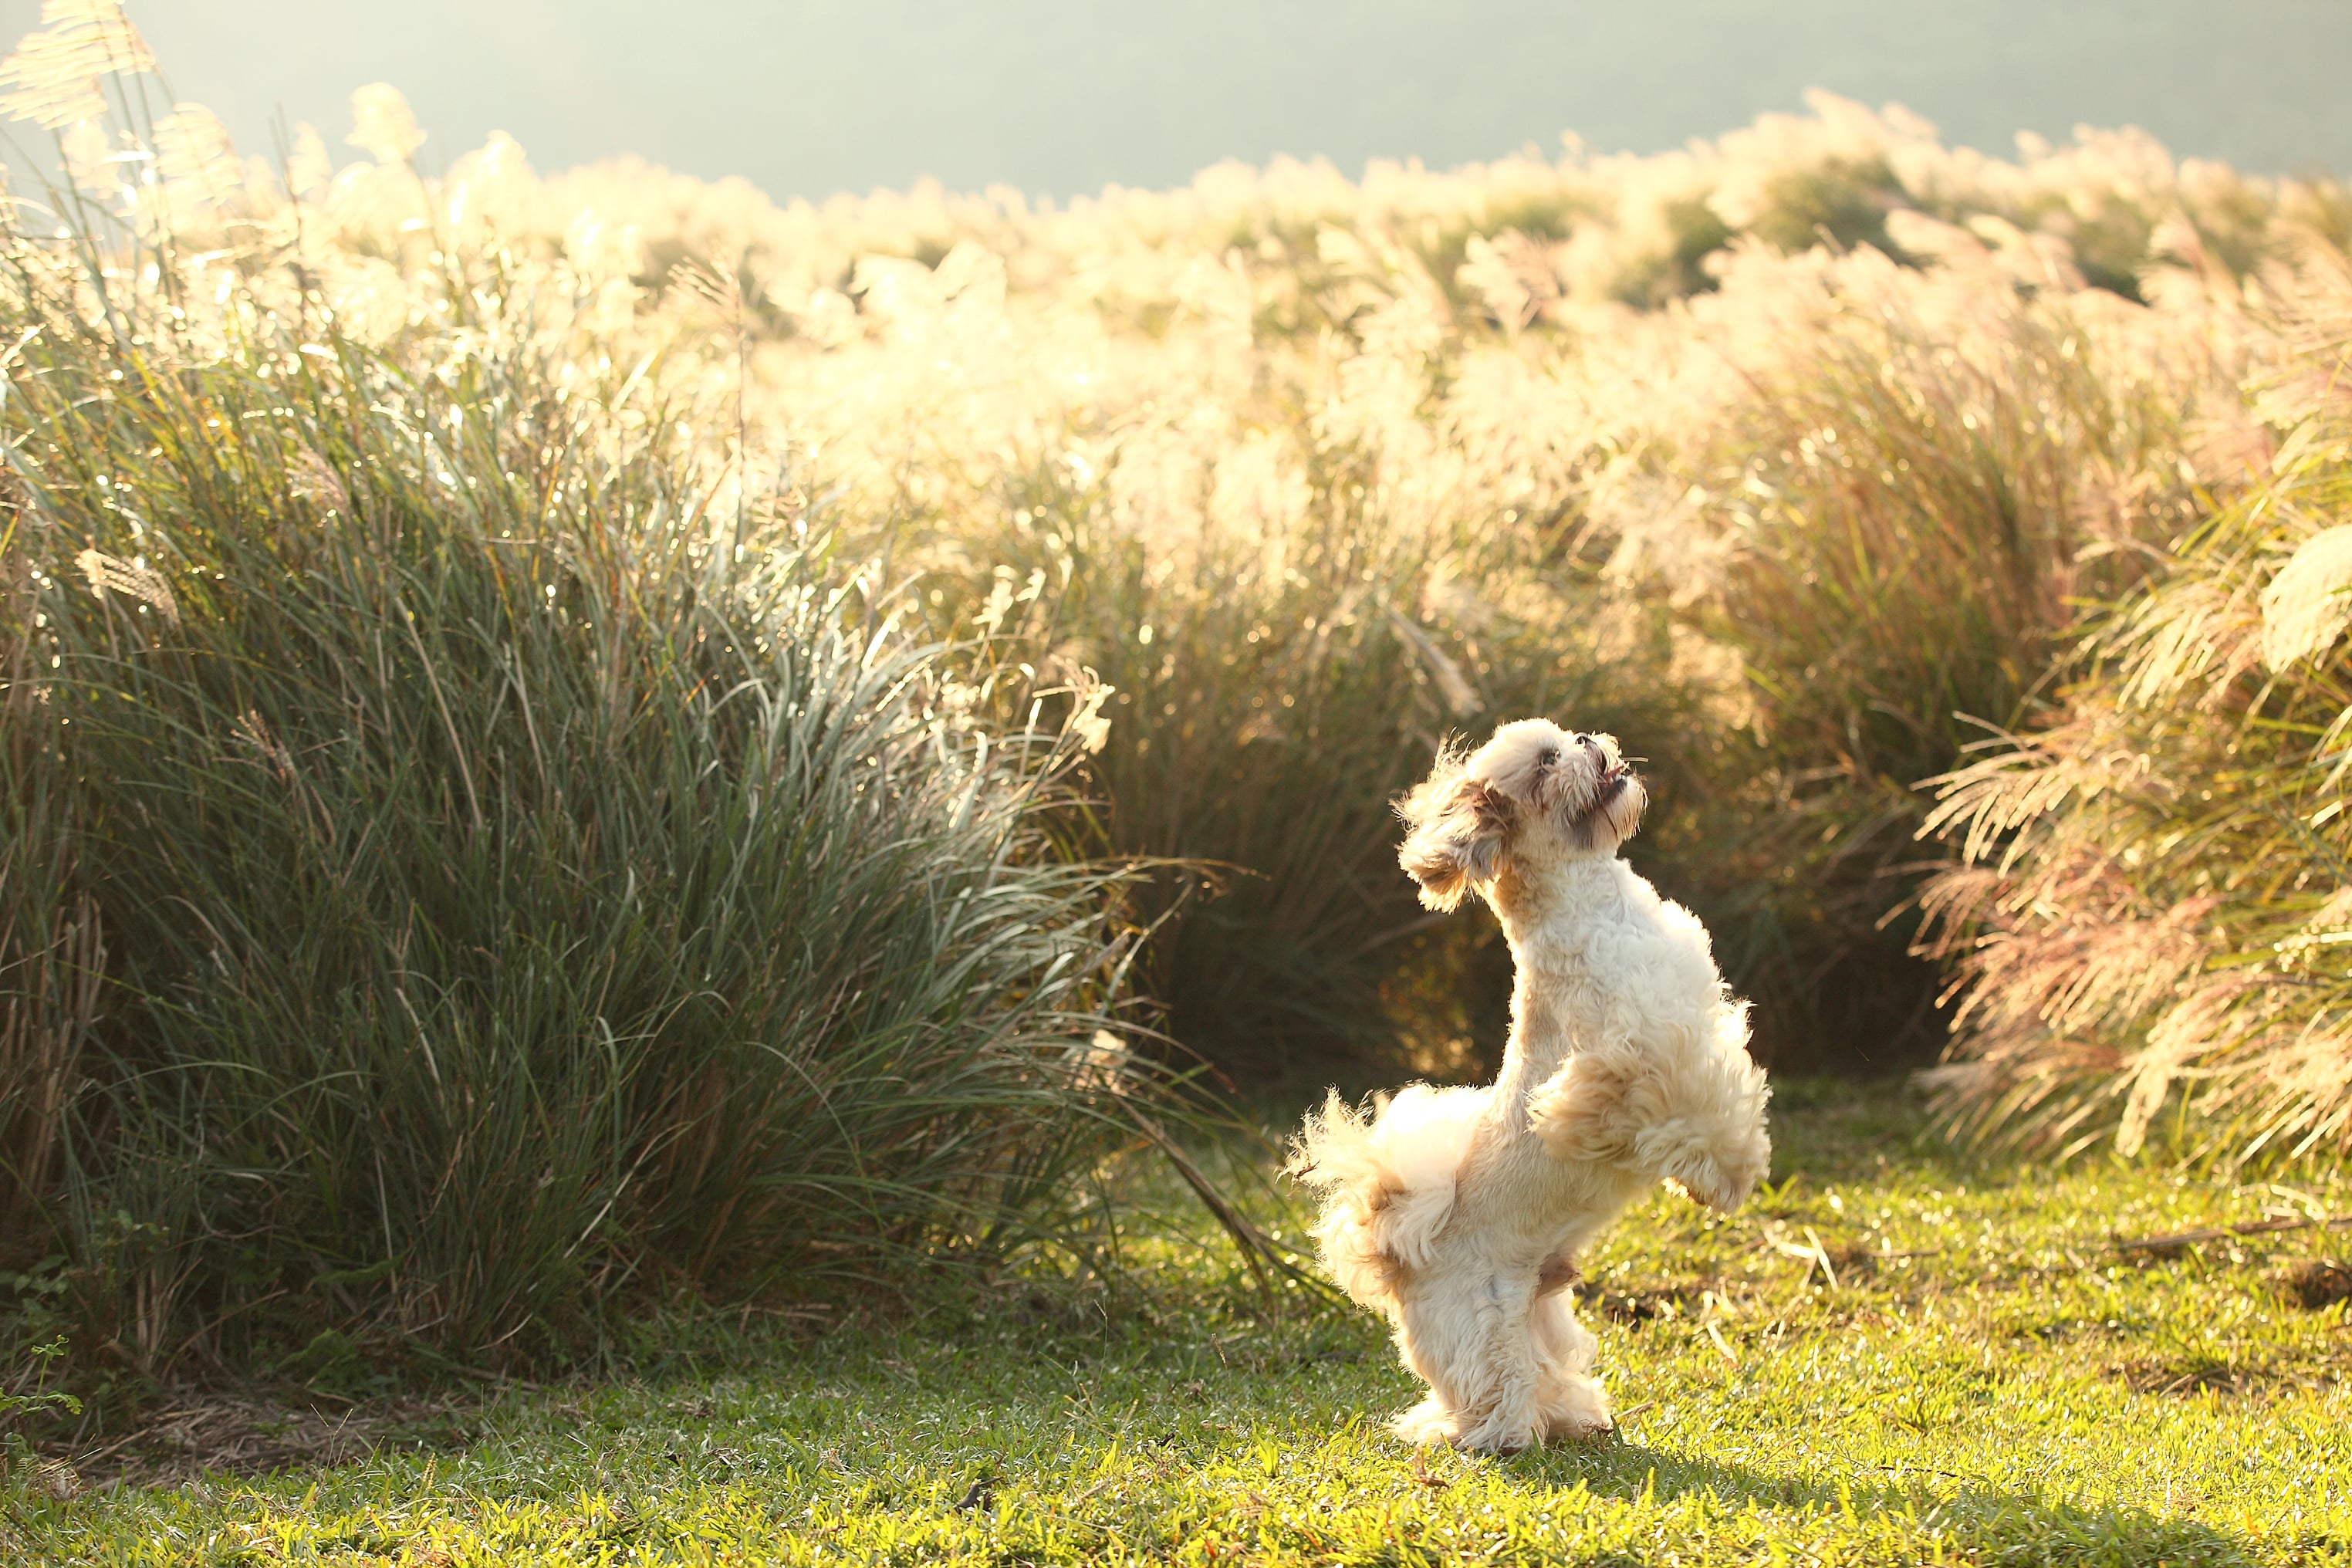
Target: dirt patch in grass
2184 1379
195 1434
1635 1307
2316 1283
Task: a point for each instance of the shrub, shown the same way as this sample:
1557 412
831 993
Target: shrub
1777 454
468 869
2153 890
1911 515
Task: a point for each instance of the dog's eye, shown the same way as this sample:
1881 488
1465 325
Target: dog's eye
1550 756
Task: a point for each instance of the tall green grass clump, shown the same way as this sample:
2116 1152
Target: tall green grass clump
469 865
2150 916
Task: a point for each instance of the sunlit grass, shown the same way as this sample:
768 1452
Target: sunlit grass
1891 1356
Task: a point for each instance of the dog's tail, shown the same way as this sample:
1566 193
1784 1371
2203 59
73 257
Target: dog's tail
1386 1179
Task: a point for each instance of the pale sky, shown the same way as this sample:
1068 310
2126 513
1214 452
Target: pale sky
1060 97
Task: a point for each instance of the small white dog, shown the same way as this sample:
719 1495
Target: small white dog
1459 1212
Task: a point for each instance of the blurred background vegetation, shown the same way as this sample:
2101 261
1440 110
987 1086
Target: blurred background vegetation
583 740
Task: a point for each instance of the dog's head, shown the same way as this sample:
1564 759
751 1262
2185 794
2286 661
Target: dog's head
1534 797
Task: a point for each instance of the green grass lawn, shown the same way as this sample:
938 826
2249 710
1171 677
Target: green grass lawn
1894 1355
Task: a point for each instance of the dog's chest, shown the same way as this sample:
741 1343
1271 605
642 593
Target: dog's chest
1603 967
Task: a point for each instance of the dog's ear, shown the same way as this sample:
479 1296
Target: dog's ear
1456 838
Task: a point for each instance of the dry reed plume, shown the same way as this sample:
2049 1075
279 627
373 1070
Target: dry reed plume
2151 912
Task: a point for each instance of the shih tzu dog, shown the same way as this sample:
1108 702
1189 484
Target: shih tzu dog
1460 1213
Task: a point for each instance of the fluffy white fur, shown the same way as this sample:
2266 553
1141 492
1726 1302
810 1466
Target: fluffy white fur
1459 1212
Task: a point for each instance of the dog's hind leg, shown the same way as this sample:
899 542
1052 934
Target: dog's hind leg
1570 1400
1431 1421
1468 1338
1436 1335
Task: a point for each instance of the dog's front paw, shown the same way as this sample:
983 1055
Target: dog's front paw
1713 1188
1709 1192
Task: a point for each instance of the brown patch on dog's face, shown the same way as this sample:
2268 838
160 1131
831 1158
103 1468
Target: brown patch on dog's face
1459 825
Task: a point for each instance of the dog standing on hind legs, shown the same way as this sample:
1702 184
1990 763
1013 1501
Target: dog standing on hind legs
1460 1213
